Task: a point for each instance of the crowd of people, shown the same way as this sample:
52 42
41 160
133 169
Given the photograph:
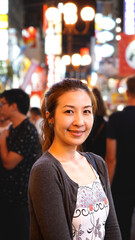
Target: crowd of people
66 169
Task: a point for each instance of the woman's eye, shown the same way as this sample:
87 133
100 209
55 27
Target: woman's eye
87 111
69 111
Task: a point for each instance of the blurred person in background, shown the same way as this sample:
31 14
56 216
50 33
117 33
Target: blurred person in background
96 141
20 148
120 158
69 191
4 124
36 119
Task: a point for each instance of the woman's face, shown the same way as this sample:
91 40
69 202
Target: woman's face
73 119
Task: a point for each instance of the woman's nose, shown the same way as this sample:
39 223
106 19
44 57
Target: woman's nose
78 119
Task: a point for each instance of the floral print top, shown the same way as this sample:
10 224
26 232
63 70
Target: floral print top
91 212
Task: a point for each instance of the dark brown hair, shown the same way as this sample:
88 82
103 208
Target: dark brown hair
101 109
50 102
131 85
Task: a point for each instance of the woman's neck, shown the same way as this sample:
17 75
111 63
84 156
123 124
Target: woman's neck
63 154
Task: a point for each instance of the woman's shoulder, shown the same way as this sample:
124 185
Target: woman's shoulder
98 160
45 163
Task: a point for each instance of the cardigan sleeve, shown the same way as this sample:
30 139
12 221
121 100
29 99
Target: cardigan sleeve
112 230
48 219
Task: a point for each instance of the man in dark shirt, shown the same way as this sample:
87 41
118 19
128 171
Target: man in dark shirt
20 148
120 157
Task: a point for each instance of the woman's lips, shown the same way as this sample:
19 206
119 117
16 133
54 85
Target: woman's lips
76 133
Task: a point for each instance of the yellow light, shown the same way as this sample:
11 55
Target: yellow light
87 14
53 14
76 59
3 21
66 59
70 13
86 60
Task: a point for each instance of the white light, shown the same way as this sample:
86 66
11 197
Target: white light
118 20
121 89
60 7
94 78
118 29
76 59
70 13
107 23
72 19
70 8
3 6
129 17
118 37
104 36
98 17
87 14
85 60
106 50
15 52
3 44
35 101
105 98
66 59
120 107
53 14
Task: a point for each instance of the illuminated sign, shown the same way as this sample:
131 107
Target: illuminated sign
129 17
3 6
3 21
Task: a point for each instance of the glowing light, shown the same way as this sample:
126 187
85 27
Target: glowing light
53 14
66 59
87 14
70 13
85 60
104 36
118 37
76 59
129 17
118 20
118 29
107 23
3 6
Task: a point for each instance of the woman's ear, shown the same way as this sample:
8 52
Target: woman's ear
50 120
47 114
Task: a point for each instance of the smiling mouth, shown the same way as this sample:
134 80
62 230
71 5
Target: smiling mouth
76 131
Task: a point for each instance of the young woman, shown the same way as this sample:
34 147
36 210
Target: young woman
69 191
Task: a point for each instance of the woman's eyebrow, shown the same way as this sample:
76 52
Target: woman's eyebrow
71 106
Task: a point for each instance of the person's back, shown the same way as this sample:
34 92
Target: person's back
121 126
20 148
120 159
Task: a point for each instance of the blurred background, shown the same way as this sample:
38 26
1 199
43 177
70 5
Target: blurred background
41 42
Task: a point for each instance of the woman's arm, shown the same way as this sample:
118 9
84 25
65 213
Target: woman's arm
48 218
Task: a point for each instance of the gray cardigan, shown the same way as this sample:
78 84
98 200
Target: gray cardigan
53 195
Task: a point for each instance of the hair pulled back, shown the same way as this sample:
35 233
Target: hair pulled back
50 102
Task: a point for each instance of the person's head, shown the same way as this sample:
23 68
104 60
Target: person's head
101 109
64 95
131 86
34 113
16 99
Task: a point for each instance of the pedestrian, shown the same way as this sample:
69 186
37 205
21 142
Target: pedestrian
4 124
20 148
96 141
120 159
36 119
69 191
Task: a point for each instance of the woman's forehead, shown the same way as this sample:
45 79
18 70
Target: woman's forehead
74 96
